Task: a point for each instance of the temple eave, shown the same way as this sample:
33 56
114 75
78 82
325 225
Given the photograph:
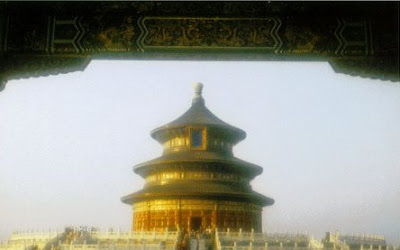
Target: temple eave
252 197
234 133
246 168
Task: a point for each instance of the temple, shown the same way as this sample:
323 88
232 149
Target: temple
197 184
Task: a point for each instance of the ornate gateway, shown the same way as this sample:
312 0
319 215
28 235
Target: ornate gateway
197 184
45 38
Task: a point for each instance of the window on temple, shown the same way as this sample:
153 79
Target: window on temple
197 138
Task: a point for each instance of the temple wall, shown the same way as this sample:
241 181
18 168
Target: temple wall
173 176
196 214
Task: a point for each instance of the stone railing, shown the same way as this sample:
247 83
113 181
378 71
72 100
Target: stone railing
355 241
142 246
143 235
257 241
105 240
363 239
22 240
39 235
115 246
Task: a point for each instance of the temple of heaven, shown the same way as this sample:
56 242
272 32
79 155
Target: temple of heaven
197 184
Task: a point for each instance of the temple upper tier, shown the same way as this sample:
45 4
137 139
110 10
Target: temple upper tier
198 117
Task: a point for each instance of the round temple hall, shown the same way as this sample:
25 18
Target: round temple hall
197 183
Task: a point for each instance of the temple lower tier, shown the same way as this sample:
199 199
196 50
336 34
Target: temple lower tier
196 215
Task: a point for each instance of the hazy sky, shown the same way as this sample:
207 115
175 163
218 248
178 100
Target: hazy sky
329 143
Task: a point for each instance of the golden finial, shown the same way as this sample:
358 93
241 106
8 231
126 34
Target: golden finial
198 88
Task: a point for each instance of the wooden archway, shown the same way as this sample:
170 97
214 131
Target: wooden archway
43 38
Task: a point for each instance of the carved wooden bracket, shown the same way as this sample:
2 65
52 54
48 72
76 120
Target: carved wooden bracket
42 38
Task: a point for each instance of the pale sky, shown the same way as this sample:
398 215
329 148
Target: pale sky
329 143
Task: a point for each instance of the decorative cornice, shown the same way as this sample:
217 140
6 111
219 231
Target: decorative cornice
356 38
